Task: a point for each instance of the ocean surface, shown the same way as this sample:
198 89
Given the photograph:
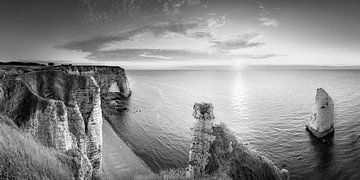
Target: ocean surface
267 109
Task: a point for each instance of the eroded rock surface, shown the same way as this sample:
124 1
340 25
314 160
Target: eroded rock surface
202 139
321 122
111 80
61 107
215 151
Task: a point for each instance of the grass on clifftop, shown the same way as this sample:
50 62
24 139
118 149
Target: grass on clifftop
229 159
178 174
21 157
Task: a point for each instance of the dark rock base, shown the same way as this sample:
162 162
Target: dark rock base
320 134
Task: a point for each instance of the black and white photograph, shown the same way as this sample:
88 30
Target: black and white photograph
179 89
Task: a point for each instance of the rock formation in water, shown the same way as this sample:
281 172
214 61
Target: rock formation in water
61 106
215 151
321 122
203 138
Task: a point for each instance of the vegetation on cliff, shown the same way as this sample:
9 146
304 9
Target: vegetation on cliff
231 157
216 153
21 157
58 107
180 174
16 63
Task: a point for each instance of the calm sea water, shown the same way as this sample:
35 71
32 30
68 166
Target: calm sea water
267 109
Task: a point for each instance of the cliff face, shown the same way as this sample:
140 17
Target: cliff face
215 151
61 107
111 80
321 122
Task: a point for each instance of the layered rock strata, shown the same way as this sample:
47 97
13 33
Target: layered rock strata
215 152
60 106
112 80
321 122
61 110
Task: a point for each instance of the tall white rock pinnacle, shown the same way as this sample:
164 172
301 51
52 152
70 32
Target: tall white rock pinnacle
321 122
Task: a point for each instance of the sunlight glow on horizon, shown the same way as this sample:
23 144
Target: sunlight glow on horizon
186 34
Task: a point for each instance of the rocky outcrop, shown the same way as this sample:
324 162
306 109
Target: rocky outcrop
321 122
215 152
59 110
61 107
112 80
203 138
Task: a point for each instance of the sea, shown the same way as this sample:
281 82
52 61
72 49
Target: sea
266 109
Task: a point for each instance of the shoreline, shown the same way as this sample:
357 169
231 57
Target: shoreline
119 161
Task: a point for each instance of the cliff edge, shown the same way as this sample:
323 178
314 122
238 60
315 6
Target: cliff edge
60 107
112 80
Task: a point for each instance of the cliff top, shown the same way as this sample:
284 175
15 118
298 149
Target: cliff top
203 110
21 67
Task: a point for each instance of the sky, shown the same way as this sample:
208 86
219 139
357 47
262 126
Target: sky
166 34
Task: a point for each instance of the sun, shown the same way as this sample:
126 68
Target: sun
237 65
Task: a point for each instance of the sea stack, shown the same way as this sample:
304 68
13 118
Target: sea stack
215 152
202 139
321 122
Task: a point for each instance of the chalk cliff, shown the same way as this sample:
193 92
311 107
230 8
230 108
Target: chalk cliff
321 122
215 151
112 80
61 107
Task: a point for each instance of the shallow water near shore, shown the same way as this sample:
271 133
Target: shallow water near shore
266 109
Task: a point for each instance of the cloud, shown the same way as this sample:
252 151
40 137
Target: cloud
201 35
109 10
161 29
240 42
264 56
266 21
91 45
149 55
235 44
263 10
141 54
222 47
96 44
169 55
265 16
217 22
